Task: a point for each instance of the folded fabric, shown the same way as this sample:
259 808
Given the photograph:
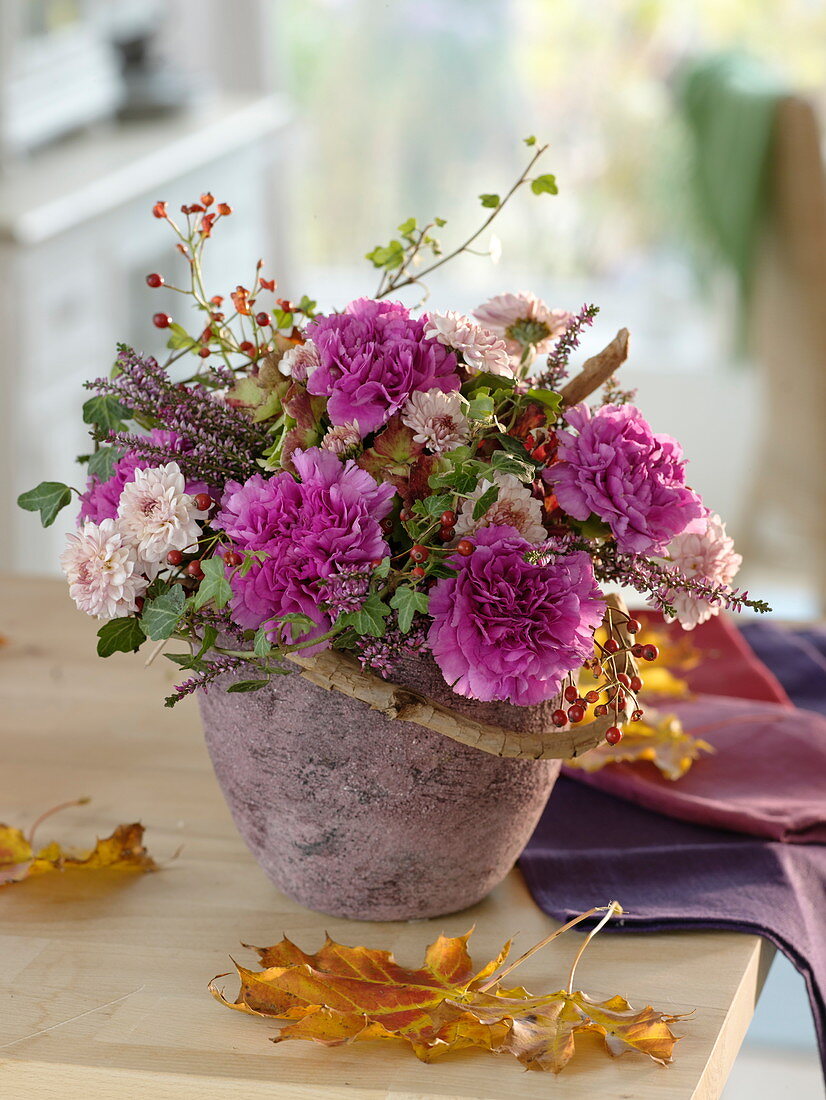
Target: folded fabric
676 874
767 776
670 875
798 657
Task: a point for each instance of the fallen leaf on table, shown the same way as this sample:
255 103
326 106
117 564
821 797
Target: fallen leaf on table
346 994
19 859
658 738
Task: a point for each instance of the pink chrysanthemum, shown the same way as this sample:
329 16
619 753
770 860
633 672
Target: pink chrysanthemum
436 420
157 513
523 320
704 550
102 569
507 628
516 506
481 349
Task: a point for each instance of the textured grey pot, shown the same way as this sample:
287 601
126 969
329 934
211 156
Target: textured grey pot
359 816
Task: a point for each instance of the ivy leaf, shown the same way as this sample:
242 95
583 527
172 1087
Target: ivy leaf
214 586
247 685
207 642
102 462
369 619
307 305
490 496
124 635
544 185
106 413
262 645
282 319
382 569
440 222
179 338
549 398
487 382
390 255
510 464
161 615
407 601
47 498
300 624
480 406
489 201
530 140
407 227
593 527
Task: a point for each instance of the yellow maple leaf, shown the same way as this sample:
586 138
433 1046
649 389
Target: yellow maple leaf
659 738
345 994
19 859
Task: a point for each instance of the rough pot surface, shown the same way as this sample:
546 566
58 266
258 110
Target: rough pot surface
360 816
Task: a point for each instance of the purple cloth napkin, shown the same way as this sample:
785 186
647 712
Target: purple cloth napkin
675 874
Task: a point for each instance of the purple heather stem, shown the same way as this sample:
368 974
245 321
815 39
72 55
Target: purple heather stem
557 363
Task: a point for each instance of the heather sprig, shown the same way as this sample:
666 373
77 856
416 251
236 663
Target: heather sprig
556 369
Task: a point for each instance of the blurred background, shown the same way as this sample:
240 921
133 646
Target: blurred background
687 144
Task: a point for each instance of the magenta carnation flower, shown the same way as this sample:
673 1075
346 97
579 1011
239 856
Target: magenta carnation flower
101 498
617 468
507 628
312 531
372 357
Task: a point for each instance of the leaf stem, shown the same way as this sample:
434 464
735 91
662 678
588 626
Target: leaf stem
612 907
55 810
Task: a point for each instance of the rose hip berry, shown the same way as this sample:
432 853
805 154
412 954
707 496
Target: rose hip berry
417 571
161 320
559 718
601 710
447 533
263 319
612 646
637 715
576 713
636 683
419 552
174 557
203 502
232 558
194 570
465 547
633 626
448 518
154 280
592 696
613 735
571 693
650 652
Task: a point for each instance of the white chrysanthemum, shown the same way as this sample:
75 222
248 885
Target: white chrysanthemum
157 514
702 550
481 350
102 569
511 316
342 440
437 420
515 507
300 362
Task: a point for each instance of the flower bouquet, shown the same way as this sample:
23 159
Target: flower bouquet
417 514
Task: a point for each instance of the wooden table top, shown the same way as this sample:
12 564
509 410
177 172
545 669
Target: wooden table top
103 977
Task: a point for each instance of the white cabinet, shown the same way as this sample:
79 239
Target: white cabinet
76 240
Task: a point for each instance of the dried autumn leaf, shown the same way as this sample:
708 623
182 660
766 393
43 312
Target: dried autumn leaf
122 850
346 994
659 738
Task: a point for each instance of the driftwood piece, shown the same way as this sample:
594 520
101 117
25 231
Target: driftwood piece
338 671
597 370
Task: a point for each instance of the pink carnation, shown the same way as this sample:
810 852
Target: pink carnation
617 468
371 358
312 531
508 628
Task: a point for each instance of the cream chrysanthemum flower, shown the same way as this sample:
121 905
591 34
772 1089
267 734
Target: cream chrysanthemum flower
436 419
703 550
343 440
300 362
102 569
481 350
514 507
523 320
157 514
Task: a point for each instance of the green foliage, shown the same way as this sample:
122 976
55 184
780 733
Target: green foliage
489 497
548 398
486 382
161 615
262 646
530 140
179 339
106 413
461 473
481 405
369 619
214 586
248 685
544 185
102 462
509 464
389 256
123 635
592 527
47 498
432 506
407 601
490 201
307 306
299 623
282 319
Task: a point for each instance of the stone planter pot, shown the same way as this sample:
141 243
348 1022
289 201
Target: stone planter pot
360 816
